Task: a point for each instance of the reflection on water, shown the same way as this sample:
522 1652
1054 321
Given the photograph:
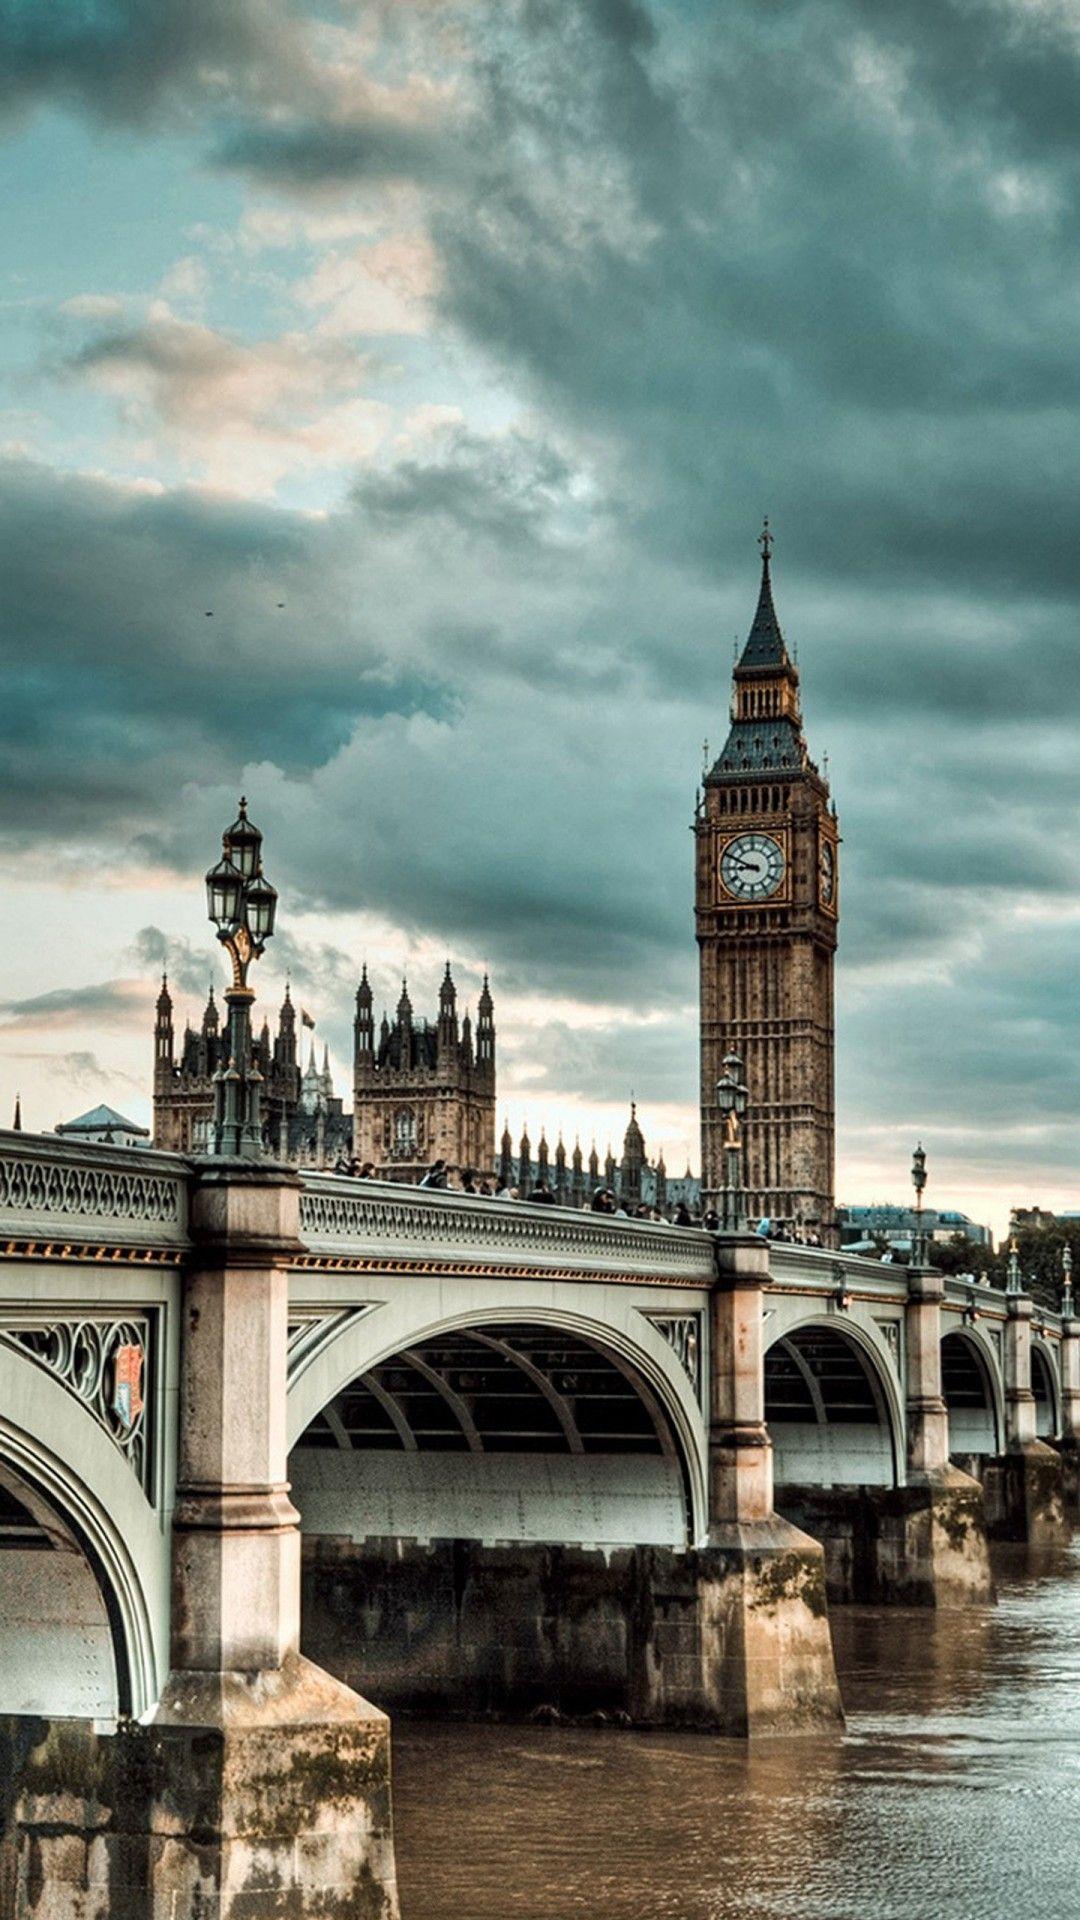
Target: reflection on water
953 1795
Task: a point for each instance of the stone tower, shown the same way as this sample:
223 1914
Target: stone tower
424 1091
767 899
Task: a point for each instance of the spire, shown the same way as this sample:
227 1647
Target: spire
404 1005
164 999
363 991
765 646
287 1017
17 1122
210 1013
766 722
485 1031
447 992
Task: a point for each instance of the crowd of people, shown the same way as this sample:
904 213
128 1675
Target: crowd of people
604 1200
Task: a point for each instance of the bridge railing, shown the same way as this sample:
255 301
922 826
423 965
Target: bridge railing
61 1193
837 1274
413 1229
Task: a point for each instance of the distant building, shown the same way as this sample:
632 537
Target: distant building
573 1180
303 1120
106 1127
1035 1218
424 1092
897 1224
420 1091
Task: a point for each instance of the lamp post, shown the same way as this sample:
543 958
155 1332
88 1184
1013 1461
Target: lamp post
241 904
1014 1281
1066 1282
732 1096
918 1181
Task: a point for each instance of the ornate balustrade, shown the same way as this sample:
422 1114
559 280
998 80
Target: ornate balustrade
372 1225
62 1198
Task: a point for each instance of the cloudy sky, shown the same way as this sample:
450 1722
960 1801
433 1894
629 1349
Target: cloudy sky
391 394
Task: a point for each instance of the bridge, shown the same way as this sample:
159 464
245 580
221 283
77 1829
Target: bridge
271 1442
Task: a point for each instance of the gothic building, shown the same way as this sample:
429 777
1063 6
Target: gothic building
767 904
424 1091
304 1121
633 1179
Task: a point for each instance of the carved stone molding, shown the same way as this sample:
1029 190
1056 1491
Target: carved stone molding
312 1329
350 1219
49 1194
890 1333
682 1331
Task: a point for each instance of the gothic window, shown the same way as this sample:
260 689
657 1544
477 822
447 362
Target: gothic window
404 1132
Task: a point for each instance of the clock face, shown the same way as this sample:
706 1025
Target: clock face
752 866
827 873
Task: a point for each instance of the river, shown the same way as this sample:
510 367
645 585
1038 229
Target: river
954 1793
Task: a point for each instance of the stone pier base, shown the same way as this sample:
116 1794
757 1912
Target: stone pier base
1025 1495
733 1638
1069 1454
923 1545
736 1636
249 1797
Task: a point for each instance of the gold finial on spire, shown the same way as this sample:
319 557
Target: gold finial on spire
765 541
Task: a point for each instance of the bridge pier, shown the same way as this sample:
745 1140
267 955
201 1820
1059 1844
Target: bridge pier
942 1558
761 1658
1069 1443
260 1785
1024 1486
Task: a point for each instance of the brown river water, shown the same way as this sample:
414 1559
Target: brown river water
954 1793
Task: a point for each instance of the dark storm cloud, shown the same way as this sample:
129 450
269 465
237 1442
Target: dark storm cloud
792 273
118 58
323 153
180 633
509 490
106 1001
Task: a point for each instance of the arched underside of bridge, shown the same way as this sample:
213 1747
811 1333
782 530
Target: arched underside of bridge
505 1432
974 1422
827 1411
1043 1386
481 1512
62 1649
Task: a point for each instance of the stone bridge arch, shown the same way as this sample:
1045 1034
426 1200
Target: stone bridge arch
84 1582
483 1487
657 1387
973 1387
1046 1386
833 1402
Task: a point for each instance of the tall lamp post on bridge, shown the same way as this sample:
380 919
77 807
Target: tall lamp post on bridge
242 905
1066 1282
918 1181
732 1096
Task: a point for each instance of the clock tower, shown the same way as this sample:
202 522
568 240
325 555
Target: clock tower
767 903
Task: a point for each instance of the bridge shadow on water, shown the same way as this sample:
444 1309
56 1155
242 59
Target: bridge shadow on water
953 1795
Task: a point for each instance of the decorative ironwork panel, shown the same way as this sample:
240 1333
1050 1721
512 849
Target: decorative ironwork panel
106 1363
682 1331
